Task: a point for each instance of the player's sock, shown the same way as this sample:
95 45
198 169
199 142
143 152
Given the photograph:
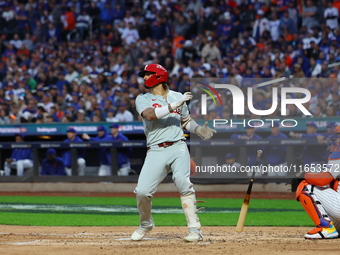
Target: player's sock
194 225
190 211
324 223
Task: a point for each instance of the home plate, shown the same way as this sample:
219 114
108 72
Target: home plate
129 239
203 243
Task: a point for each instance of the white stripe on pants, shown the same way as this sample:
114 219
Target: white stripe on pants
104 170
124 170
20 165
81 168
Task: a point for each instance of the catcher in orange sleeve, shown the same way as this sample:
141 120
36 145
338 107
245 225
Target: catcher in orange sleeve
319 195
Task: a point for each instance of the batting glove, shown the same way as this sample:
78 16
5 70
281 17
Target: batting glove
205 132
185 97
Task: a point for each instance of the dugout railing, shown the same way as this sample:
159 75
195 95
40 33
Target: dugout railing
198 148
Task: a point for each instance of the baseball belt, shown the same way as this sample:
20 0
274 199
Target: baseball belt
166 144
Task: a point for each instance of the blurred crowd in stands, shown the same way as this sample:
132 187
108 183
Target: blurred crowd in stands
77 60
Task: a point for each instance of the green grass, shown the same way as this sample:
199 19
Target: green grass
257 214
211 202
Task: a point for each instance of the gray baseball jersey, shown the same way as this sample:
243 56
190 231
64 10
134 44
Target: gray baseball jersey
167 129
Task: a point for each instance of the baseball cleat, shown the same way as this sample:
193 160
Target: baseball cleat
140 233
194 237
323 233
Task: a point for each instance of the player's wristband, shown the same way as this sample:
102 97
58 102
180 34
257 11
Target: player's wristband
161 112
174 105
191 126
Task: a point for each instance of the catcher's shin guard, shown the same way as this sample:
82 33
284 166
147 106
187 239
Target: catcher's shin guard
313 207
190 211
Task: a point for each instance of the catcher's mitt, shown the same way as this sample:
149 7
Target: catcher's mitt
294 182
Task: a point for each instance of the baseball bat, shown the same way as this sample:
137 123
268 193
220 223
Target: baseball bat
244 208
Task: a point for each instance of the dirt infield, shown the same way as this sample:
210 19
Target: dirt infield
163 240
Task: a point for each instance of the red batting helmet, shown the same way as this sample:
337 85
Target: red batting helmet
160 74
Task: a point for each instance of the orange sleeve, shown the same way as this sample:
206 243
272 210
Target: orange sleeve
319 179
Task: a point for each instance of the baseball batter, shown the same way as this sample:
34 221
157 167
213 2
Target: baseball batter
319 194
165 114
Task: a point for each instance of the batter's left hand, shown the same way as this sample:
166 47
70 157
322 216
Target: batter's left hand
205 132
185 97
